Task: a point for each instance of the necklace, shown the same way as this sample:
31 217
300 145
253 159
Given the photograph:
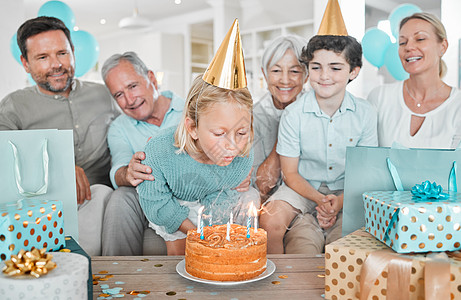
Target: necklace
419 102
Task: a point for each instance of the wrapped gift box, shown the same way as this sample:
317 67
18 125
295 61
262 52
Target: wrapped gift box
407 224
74 247
345 258
67 281
30 223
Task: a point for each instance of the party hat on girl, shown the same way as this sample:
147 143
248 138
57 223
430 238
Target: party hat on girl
227 69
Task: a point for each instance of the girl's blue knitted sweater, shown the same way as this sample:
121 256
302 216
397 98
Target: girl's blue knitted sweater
180 177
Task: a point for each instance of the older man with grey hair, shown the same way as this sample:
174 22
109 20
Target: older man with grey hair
146 112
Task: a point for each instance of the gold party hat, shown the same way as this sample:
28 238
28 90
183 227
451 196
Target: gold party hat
227 69
332 21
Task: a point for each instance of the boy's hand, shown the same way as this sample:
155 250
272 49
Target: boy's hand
331 206
325 222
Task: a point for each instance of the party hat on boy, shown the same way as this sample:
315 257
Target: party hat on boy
227 69
332 21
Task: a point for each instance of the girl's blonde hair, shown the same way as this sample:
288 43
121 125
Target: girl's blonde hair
201 97
439 30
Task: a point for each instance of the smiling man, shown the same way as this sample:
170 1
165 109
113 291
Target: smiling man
59 101
146 112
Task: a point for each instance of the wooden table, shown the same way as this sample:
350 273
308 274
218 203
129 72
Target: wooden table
296 276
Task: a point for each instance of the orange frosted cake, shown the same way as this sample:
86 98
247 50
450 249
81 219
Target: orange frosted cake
216 258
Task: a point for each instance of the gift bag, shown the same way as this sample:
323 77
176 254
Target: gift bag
39 164
367 170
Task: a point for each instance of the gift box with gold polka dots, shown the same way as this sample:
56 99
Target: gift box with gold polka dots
347 258
30 223
408 224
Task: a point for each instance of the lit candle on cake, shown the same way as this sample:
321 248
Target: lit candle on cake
228 230
249 220
211 220
202 236
199 219
255 215
231 218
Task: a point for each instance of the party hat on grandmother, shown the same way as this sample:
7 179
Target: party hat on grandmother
332 21
227 69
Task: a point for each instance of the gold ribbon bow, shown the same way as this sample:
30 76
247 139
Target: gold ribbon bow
35 263
436 274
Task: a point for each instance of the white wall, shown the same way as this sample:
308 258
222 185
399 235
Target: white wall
450 10
12 74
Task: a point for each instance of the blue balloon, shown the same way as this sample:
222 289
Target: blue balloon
14 48
86 50
58 10
31 80
374 45
400 12
393 63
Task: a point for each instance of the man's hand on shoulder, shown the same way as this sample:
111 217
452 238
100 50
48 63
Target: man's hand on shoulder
83 185
135 172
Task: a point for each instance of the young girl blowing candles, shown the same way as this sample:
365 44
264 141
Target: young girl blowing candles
200 163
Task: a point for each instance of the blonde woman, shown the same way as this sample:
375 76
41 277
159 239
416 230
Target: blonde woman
422 111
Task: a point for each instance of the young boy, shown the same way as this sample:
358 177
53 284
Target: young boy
313 135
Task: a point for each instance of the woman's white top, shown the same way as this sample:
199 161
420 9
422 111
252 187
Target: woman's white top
441 128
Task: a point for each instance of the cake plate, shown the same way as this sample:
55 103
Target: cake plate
181 269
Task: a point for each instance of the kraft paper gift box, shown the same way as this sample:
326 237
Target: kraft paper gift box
346 258
409 224
30 223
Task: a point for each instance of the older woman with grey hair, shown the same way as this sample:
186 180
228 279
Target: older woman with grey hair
285 77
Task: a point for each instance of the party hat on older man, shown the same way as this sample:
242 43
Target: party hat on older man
332 21
227 69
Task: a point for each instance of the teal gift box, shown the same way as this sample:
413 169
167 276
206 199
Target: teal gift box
30 223
408 224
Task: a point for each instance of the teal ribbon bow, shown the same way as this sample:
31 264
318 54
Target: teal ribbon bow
428 190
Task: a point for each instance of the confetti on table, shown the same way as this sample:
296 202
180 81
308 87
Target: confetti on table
119 282
104 279
158 265
189 291
190 287
112 291
275 282
214 293
145 259
319 255
104 295
321 275
171 293
321 267
139 270
289 267
283 276
103 272
104 286
115 263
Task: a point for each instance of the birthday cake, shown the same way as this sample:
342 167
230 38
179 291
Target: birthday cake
216 258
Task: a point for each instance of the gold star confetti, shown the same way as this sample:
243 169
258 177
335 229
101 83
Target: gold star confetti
275 282
283 276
